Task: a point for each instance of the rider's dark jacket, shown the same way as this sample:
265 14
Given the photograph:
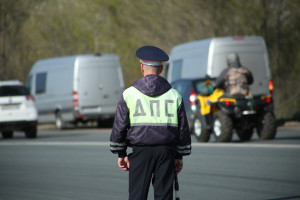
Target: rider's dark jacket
145 116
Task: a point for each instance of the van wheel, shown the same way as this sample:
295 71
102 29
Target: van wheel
31 132
266 128
75 124
200 132
222 127
245 134
7 134
59 122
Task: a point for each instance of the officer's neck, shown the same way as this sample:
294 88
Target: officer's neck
150 70
146 74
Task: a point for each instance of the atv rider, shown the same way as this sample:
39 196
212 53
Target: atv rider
236 78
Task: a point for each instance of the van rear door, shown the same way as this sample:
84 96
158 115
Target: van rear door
99 86
253 55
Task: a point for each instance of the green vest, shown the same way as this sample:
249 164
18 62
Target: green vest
152 111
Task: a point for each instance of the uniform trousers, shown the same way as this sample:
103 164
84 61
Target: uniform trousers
154 163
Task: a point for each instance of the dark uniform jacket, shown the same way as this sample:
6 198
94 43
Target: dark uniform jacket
124 134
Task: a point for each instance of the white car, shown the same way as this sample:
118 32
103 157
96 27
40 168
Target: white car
17 110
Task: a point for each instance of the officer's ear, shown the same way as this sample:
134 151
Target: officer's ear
142 68
161 69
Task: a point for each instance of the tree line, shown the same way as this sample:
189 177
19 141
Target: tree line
35 29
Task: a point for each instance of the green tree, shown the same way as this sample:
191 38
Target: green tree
13 14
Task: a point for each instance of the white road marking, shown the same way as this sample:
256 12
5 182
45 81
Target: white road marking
56 143
252 145
237 145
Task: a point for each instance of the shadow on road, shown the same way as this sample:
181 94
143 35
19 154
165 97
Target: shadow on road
286 198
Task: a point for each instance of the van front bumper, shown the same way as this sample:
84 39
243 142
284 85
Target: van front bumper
95 117
96 113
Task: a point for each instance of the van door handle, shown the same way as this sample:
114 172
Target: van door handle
100 86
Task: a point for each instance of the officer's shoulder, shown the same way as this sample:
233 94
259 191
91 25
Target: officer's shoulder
129 91
175 92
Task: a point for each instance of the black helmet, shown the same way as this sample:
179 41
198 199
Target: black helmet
233 60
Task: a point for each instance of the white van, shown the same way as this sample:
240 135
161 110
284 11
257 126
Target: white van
207 57
76 88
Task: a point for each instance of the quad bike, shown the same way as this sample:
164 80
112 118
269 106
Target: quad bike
219 114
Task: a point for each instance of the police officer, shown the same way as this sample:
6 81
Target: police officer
150 118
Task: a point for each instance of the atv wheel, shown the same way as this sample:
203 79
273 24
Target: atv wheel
245 134
266 128
222 127
200 132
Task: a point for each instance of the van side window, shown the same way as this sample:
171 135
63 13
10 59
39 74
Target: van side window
40 83
165 71
176 71
29 83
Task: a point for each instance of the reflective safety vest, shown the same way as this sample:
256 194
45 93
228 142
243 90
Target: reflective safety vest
152 111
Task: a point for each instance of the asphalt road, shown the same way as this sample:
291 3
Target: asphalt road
77 164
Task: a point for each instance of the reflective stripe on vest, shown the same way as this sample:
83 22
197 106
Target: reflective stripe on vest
152 111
